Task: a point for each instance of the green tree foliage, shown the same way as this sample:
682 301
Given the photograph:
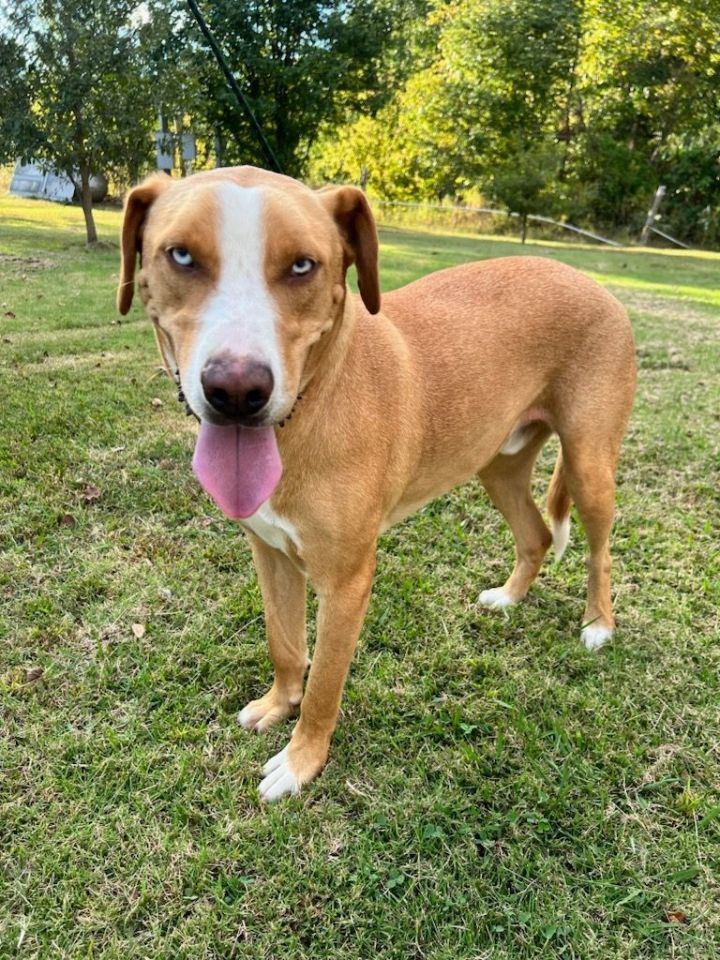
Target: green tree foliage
648 95
514 63
300 64
412 148
578 108
574 107
512 60
521 182
16 128
496 89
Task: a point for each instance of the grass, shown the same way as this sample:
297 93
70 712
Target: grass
494 791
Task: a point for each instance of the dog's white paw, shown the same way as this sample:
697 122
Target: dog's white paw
495 599
299 763
278 778
254 717
595 637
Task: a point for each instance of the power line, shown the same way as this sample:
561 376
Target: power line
270 156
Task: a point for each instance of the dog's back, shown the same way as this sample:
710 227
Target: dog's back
561 311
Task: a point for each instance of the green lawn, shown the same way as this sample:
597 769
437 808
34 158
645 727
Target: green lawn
494 791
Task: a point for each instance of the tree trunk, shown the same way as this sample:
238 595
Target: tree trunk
87 206
523 235
85 196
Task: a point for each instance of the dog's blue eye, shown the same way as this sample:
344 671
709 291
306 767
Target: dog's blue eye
302 267
181 256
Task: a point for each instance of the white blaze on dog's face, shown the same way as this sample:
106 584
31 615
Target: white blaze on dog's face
242 272
238 316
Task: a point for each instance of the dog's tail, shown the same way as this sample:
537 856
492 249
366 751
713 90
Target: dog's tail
558 505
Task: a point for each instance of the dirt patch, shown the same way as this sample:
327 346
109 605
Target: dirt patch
658 356
666 307
72 361
27 263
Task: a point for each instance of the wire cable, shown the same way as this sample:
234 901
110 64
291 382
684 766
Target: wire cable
267 150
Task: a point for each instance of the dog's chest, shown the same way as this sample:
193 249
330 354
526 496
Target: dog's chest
273 529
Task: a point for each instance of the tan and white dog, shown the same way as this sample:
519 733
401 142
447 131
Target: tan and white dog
465 373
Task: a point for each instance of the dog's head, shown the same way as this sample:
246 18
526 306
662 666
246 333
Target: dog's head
242 271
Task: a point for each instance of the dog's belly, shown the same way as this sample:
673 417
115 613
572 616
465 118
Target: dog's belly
441 473
437 479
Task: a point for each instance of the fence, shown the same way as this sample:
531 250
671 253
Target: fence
461 215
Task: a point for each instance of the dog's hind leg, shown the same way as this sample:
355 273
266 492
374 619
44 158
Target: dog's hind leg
507 481
558 507
589 473
283 588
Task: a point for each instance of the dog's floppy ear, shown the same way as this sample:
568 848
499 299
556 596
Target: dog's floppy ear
349 208
138 202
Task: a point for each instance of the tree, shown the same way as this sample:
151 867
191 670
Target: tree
92 107
649 82
411 149
492 99
16 128
301 64
518 183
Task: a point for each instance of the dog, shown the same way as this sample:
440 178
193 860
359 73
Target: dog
323 421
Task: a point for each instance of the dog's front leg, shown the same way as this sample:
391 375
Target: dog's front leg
284 590
342 602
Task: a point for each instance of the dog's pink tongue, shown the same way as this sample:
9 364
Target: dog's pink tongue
237 466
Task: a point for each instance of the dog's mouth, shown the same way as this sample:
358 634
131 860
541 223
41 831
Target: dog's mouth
189 412
238 466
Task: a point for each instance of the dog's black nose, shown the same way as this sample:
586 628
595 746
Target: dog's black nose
237 387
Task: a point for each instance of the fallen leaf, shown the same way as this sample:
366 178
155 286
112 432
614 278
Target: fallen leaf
20 677
336 845
156 402
9 315
676 916
90 492
67 520
138 630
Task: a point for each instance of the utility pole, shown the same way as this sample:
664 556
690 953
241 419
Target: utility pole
652 214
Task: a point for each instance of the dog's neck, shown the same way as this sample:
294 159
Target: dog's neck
327 355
